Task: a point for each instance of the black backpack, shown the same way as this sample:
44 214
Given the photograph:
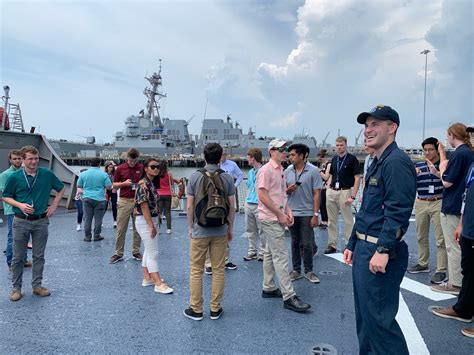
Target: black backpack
211 206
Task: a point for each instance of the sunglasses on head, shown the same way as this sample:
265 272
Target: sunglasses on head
153 167
281 149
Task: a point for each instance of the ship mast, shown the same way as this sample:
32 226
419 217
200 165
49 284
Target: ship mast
152 109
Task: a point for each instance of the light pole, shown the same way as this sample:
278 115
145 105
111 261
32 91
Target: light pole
425 52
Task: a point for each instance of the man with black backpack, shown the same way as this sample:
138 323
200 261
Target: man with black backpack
210 194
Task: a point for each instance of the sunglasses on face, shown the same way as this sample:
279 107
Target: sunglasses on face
281 149
153 167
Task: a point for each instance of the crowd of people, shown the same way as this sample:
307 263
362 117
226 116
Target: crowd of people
298 199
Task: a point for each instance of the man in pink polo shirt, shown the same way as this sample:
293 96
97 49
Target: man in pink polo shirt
274 214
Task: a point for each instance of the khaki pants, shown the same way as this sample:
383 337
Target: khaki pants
208 256
426 212
335 202
124 212
253 229
197 257
449 223
275 259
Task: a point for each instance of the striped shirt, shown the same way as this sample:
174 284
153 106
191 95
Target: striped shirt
428 185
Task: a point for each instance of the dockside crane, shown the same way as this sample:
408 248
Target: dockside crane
325 138
357 138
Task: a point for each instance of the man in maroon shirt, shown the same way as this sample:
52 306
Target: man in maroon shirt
126 178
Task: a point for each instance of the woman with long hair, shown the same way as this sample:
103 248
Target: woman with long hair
324 167
453 176
165 191
146 221
111 194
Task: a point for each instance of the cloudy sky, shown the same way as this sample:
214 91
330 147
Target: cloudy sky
280 67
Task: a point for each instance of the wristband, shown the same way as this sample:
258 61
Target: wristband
353 197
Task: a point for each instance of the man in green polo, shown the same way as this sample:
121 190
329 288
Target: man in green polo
28 190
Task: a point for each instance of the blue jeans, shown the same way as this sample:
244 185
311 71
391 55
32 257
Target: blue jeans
80 211
9 251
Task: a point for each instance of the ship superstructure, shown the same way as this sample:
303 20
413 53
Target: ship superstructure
151 133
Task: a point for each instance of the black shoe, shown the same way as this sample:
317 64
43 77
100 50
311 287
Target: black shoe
230 266
330 250
295 304
260 258
438 278
86 239
188 312
208 270
218 314
272 294
97 238
137 256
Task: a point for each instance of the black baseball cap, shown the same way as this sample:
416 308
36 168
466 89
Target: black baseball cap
380 112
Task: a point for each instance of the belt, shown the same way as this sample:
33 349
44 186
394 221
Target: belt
332 188
429 198
367 238
30 217
372 239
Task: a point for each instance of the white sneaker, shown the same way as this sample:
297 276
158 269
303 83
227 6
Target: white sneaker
163 288
78 228
115 224
168 231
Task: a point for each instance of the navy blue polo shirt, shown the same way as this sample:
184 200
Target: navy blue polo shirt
467 220
389 195
455 173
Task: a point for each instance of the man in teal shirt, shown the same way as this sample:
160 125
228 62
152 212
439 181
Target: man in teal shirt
28 190
15 163
94 182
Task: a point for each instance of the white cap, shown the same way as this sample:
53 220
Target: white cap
276 143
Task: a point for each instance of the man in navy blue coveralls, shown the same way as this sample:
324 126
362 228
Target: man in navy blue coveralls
376 249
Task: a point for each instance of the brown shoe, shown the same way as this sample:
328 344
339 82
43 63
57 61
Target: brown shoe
330 250
41 291
28 264
446 288
115 259
469 332
450 313
15 295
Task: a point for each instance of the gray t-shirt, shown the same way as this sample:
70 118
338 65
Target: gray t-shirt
300 201
193 183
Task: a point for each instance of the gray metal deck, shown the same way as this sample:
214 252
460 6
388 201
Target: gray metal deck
100 308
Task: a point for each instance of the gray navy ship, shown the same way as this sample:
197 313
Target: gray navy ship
230 136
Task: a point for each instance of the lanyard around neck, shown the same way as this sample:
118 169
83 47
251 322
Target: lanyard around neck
30 187
298 177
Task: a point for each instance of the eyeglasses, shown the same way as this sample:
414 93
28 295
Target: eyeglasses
281 149
153 167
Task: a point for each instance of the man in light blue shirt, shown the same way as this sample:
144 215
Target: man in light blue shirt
254 158
94 182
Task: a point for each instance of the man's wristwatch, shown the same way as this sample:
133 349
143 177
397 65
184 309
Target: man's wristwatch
315 214
353 198
382 250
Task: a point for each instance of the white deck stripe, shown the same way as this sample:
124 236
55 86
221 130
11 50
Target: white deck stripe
411 285
416 343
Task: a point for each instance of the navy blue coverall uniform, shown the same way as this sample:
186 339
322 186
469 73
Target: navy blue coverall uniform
383 219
